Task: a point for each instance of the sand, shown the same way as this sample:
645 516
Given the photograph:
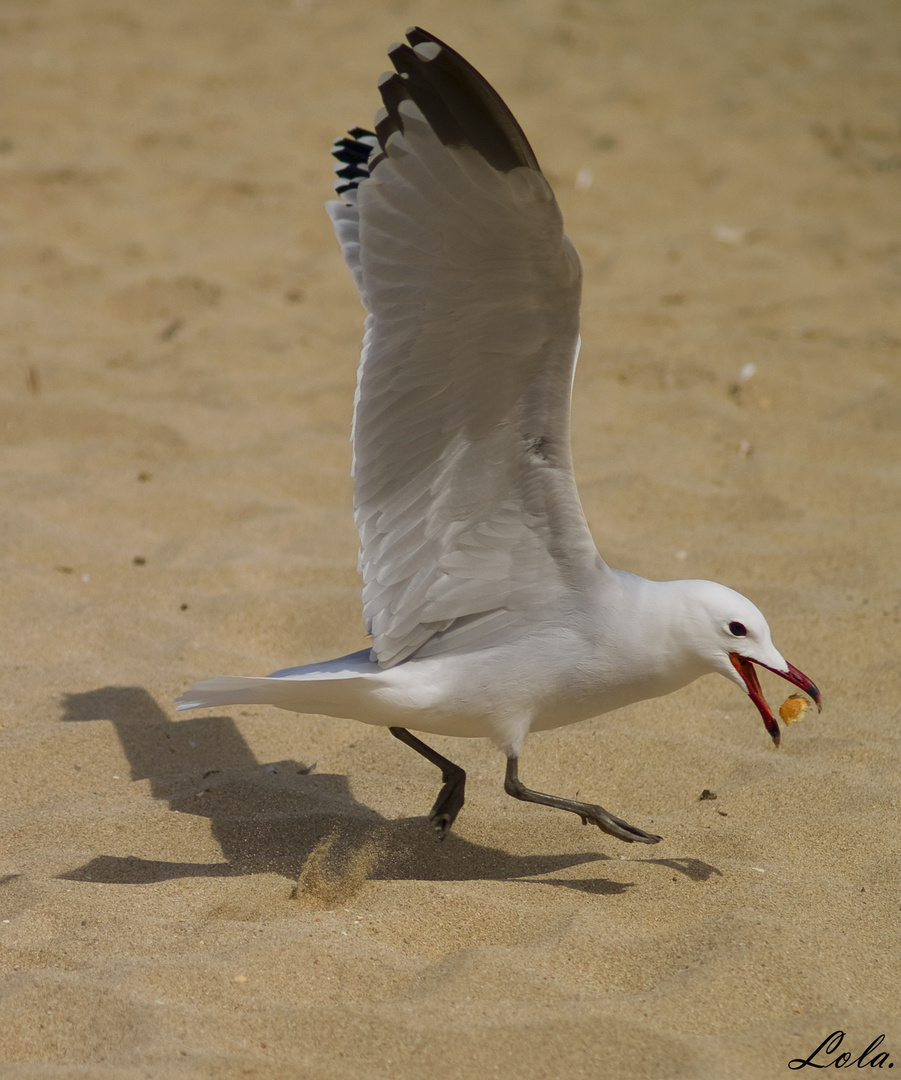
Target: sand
256 894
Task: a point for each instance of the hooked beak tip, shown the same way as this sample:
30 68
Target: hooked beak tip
799 679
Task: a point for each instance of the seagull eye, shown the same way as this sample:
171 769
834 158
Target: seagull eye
738 629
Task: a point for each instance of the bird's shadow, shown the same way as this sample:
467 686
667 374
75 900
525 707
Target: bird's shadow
203 766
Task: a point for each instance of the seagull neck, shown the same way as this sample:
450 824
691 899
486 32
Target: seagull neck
653 628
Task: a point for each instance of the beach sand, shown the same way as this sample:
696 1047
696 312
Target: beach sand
258 894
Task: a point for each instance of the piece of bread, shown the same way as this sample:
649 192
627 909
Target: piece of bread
794 708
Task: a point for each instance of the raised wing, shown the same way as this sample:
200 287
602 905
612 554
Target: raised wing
469 520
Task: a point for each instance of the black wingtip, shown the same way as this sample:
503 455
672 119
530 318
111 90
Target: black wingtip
353 153
459 104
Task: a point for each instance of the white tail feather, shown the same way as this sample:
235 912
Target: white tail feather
316 688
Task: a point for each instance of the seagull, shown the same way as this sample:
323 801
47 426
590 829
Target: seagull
490 611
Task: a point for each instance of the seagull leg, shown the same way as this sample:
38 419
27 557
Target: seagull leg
450 798
597 815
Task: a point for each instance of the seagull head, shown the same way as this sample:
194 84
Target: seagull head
731 634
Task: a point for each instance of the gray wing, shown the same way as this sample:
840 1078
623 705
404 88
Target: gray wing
470 524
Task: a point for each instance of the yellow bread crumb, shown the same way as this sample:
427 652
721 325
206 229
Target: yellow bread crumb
794 708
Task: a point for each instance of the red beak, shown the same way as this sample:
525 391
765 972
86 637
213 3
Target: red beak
745 668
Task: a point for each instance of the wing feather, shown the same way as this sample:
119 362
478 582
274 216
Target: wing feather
464 498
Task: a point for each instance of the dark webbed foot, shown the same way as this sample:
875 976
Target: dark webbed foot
588 812
451 796
450 800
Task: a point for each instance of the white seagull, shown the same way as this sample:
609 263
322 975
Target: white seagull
490 610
